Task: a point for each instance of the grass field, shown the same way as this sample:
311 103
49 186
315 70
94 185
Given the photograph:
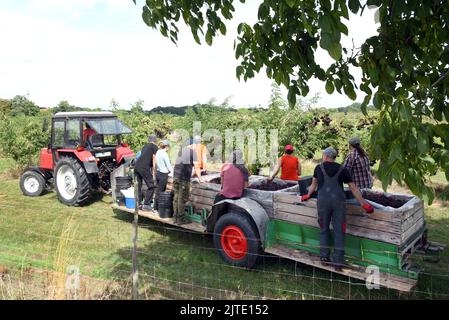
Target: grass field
40 236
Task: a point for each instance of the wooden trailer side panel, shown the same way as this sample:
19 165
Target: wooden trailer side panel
386 226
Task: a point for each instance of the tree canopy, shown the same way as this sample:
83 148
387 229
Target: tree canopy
404 67
21 105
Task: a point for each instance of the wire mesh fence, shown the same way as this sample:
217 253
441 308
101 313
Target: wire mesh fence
76 253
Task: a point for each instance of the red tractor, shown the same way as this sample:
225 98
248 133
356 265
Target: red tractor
84 148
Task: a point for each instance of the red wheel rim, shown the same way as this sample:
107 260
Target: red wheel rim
234 243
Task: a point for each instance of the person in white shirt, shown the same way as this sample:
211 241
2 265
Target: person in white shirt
163 169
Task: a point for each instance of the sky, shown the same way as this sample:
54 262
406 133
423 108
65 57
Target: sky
89 52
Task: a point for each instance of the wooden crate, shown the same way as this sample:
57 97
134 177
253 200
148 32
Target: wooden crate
395 226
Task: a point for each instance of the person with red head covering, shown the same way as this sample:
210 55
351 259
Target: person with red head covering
289 165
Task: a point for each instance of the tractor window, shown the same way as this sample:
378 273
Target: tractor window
73 133
109 126
58 134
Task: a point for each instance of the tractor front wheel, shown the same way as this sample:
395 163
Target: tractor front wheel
237 240
71 182
32 183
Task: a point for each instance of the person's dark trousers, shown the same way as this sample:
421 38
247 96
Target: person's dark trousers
335 211
161 186
146 177
219 197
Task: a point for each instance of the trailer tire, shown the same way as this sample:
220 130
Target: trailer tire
32 183
237 240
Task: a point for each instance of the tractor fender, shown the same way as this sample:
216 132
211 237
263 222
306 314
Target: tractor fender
85 157
46 174
243 205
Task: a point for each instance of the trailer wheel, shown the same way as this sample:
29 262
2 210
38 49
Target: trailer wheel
237 240
32 183
71 182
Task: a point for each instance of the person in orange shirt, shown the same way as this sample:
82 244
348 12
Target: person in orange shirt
289 165
201 153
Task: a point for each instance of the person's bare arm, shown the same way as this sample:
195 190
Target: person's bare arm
356 192
204 159
276 170
197 169
154 164
313 187
299 168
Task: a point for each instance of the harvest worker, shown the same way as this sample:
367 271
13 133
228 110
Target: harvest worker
145 171
163 169
186 162
288 164
201 153
329 177
234 178
357 163
87 133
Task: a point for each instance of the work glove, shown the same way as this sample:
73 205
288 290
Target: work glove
305 197
368 208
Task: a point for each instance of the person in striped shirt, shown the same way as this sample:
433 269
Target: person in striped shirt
358 165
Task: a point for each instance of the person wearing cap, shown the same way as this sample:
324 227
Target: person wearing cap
163 169
234 178
328 178
186 162
201 153
289 165
144 169
357 163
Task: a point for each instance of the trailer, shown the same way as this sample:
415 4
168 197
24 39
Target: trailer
276 222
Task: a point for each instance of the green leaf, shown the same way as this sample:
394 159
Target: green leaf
335 51
291 97
423 143
354 5
377 100
223 28
365 102
291 3
329 87
209 37
349 91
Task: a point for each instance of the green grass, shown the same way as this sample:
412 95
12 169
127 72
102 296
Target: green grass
174 263
5 165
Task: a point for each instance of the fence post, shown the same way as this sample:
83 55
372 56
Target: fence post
135 271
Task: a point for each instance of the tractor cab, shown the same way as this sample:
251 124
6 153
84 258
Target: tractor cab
84 148
90 130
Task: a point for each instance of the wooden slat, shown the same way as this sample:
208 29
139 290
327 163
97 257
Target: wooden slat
154 216
194 199
204 193
364 232
406 214
378 214
200 206
356 272
362 221
354 210
408 233
411 220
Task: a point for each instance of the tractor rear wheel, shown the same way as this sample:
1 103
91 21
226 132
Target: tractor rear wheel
32 183
72 183
237 240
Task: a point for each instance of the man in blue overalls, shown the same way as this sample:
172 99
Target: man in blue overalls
329 177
